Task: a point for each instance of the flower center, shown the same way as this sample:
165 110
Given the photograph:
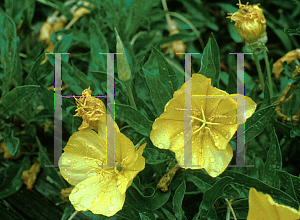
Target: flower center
202 123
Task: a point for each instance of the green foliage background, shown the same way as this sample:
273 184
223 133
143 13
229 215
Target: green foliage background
26 104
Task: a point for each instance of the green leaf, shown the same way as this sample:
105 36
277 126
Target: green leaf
152 202
155 155
158 91
12 143
290 183
210 62
166 73
169 215
9 52
13 178
244 183
267 100
273 162
177 201
124 72
134 118
69 209
98 45
206 211
18 99
50 171
257 122
291 31
63 46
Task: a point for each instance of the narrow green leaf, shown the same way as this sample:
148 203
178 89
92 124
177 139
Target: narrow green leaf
9 52
169 215
177 201
267 100
134 118
210 62
273 162
12 143
18 99
158 91
124 71
166 73
206 211
98 45
257 122
13 178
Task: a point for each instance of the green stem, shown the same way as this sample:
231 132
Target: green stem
269 73
129 93
261 79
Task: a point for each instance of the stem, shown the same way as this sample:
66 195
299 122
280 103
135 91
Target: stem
231 209
129 93
269 73
261 79
49 4
73 215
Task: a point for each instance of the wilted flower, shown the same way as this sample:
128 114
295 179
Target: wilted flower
91 109
289 57
29 176
250 24
262 206
99 188
214 122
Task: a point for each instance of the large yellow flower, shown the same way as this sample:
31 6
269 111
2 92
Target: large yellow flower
98 188
262 206
214 122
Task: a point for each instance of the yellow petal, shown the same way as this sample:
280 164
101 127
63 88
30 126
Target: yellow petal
248 107
207 156
85 150
262 206
99 195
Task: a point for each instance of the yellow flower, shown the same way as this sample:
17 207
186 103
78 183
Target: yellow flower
214 122
91 109
98 188
250 24
262 206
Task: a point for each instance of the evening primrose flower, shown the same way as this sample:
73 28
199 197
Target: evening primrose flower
250 24
214 122
262 206
91 109
99 188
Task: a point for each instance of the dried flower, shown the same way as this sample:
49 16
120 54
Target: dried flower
5 152
262 206
91 109
214 122
99 188
289 57
29 176
250 24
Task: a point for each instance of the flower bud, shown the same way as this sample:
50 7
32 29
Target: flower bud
250 24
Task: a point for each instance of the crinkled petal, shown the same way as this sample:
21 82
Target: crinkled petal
262 206
99 195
